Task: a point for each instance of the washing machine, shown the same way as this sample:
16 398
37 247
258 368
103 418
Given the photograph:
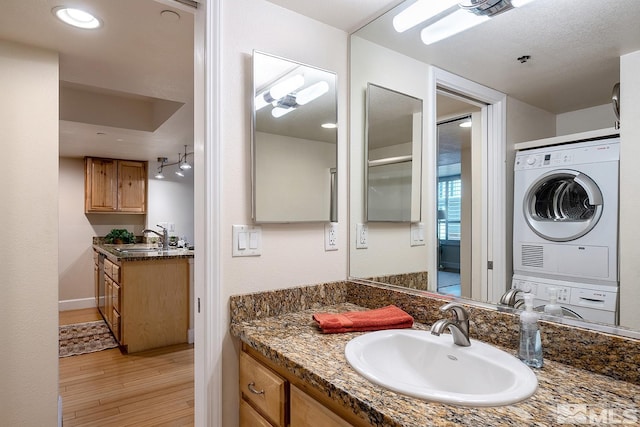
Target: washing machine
565 216
585 301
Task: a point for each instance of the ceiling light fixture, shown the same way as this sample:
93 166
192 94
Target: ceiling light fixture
465 124
183 161
162 161
329 125
448 17
76 17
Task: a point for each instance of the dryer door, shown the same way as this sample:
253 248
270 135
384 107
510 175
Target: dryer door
562 205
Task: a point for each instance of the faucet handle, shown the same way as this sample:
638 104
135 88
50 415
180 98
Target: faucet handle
459 311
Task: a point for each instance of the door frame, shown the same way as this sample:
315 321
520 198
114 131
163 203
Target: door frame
493 211
209 326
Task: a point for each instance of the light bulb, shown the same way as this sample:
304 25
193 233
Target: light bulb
279 111
179 173
419 12
184 165
76 17
159 175
312 92
455 23
278 90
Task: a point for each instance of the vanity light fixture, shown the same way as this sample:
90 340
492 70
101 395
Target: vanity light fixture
444 18
278 91
329 125
291 101
76 17
465 124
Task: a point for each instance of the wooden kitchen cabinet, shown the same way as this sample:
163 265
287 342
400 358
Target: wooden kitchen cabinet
115 186
270 396
146 302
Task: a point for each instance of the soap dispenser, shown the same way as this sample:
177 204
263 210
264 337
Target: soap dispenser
530 351
553 308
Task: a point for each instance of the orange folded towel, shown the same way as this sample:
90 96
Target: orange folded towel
389 317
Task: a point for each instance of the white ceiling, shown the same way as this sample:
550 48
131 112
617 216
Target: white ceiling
138 55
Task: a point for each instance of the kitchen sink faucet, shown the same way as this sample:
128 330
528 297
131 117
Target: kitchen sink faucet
164 236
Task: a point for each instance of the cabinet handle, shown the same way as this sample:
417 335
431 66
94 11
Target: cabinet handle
252 388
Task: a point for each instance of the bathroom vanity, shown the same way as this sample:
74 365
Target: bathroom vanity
143 295
278 335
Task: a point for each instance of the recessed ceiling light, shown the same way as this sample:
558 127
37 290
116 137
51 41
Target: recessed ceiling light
329 125
76 17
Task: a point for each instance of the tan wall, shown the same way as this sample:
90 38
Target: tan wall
29 253
292 254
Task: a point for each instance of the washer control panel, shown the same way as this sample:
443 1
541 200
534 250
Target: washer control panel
568 154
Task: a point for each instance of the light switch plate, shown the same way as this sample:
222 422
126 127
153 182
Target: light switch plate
247 240
331 236
362 236
417 234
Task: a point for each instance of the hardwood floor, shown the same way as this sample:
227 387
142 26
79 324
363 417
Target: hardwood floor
108 388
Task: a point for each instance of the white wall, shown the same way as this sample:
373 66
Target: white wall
629 190
171 200
292 254
593 118
168 201
28 311
371 63
524 123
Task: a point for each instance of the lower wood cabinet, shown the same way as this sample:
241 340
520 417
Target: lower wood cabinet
272 399
306 412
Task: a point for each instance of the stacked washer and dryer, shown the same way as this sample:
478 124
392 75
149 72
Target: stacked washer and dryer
565 226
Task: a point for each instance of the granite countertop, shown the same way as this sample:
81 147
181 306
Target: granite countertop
293 342
115 252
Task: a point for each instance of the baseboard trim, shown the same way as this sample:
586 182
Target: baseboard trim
76 304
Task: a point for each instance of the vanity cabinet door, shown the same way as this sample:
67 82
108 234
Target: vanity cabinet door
307 412
264 389
249 417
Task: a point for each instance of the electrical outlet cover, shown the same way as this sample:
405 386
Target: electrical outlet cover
362 236
331 236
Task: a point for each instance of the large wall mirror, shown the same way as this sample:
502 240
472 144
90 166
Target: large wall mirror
294 145
393 155
557 73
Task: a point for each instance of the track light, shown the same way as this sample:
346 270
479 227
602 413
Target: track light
183 163
160 174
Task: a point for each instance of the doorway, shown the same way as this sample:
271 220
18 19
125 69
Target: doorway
478 227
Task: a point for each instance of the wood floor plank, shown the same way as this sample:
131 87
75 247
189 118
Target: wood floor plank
110 388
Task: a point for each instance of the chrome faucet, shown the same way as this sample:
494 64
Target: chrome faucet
459 326
510 298
164 236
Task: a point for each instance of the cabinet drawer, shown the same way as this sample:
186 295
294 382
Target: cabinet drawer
115 324
249 417
307 412
263 388
115 296
108 266
115 272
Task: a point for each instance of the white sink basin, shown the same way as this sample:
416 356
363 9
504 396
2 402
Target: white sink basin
430 367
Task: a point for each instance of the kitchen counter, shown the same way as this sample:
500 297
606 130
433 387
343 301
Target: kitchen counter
293 342
115 252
